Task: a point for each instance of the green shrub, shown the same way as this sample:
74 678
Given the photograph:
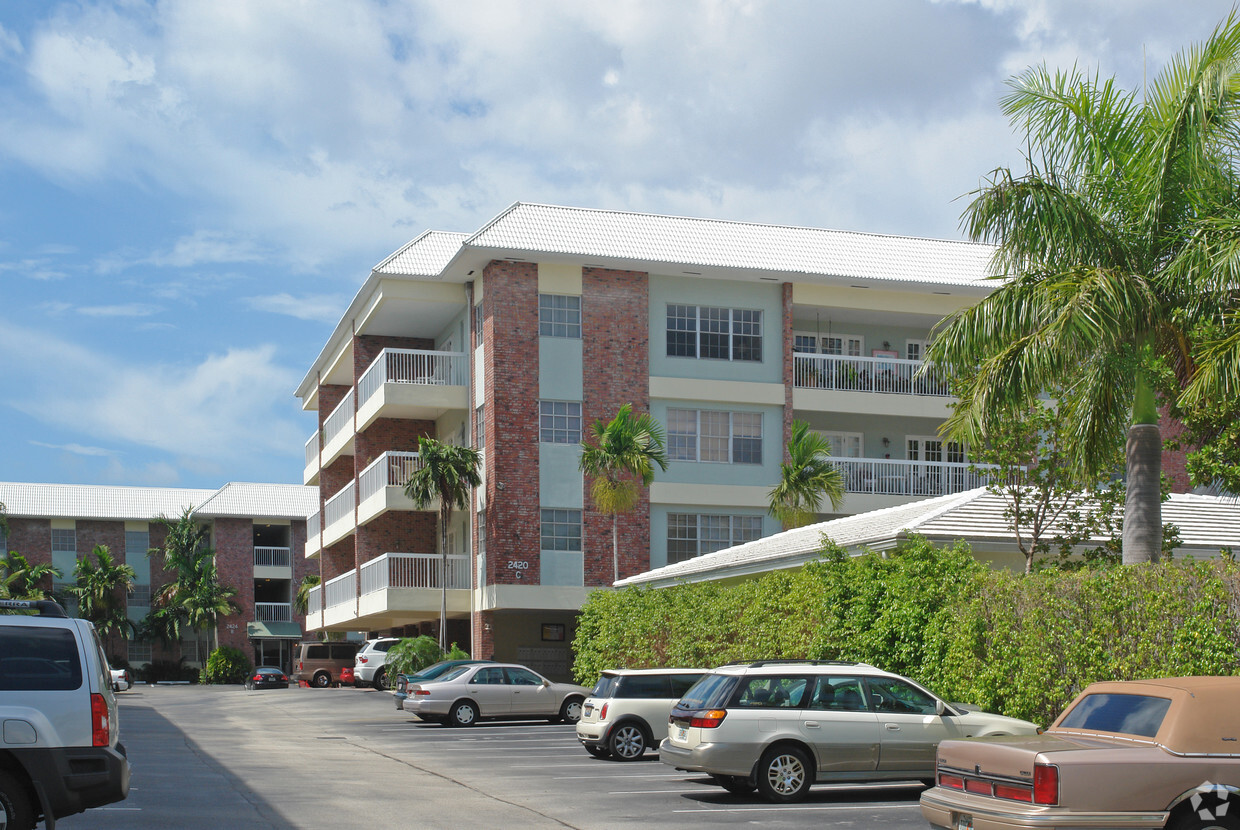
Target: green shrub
412 654
226 665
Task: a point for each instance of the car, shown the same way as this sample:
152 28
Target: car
431 672
266 677
347 678
780 726
121 681
1124 754
319 664
369 667
493 691
626 712
60 749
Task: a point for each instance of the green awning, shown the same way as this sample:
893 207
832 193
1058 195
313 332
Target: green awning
276 630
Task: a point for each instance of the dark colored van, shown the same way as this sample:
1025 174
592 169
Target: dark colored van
319 664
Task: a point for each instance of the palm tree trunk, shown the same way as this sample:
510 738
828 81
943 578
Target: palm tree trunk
444 516
1142 536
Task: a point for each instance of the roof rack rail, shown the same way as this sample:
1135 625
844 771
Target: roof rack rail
44 607
755 664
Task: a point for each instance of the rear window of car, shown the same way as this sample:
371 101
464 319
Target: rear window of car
605 687
710 692
454 673
39 659
384 646
1127 714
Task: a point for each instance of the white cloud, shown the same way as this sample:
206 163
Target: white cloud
76 449
126 310
323 309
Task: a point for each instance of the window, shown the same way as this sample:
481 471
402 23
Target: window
840 694
4 540
559 422
482 532
843 344
64 540
805 343
39 659
897 696
523 677
714 333
1127 714
915 349
692 534
480 428
559 315
489 677
561 529
478 325
139 597
139 652
844 444
713 436
780 692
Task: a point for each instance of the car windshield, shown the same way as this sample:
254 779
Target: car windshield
604 687
452 675
709 693
1128 714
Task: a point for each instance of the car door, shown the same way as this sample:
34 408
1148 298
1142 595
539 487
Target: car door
490 692
909 727
838 723
529 695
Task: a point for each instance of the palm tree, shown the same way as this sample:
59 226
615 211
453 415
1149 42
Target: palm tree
101 586
301 602
805 478
205 600
1112 246
21 580
625 452
448 473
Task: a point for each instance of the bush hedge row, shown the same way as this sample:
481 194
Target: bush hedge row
1010 643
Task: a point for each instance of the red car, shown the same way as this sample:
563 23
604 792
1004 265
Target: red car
346 676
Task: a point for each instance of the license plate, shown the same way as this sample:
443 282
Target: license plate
682 732
964 821
589 708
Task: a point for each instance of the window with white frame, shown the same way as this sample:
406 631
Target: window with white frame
843 344
482 532
559 422
695 534
915 349
480 428
714 436
478 324
845 444
561 529
805 343
714 333
559 315
64 540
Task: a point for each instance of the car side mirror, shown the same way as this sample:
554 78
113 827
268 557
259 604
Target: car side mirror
546 682
940 708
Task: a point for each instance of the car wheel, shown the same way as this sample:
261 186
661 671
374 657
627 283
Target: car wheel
464 713
735 784
15 810
381 681
784 774
322 680
570 710
597 751
627 742
1194 821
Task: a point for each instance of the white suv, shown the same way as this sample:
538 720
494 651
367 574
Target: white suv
780 726
368 665
59 752
627 711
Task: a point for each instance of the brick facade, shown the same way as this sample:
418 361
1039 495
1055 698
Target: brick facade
234 565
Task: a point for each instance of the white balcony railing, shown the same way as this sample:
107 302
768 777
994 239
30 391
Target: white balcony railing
891 477
340 590
339 506
413 570
865 374
265 557
340 419
312 525
273 612
314 600
391 469
312 450
412 366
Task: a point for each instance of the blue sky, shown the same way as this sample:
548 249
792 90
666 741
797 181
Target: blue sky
191 192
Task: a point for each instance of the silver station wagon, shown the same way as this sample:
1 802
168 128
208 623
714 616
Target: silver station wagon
781 726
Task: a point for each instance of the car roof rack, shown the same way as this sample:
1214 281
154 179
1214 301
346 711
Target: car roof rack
44 607
756 664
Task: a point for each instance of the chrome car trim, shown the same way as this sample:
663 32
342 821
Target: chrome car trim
973 773
1061 817
1198 789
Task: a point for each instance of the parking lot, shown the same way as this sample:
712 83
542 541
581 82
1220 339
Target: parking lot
210 757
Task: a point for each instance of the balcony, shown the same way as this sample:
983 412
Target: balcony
412 383
395 589
310 474
381 486
273 612
313 523
314 608
338 519
879 385
872 483
338 430
265 557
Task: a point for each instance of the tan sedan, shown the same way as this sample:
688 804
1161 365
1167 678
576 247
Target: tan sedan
493 691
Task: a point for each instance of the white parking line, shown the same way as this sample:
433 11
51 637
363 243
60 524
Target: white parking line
802 808
612 777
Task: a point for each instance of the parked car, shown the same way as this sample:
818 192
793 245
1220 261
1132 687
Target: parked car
468 694
319 664
626 712
369 667
121 681
781 726
1137 754
431 672
60 752
347 677
266 677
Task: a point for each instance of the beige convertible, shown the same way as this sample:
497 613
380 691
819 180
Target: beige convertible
1141 754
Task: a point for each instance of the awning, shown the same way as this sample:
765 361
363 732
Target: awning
276 630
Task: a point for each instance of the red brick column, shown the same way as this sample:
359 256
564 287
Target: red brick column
234 564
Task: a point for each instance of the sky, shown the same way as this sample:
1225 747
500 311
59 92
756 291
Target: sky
191 192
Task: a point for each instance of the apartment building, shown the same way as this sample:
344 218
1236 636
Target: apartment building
514 339
254 528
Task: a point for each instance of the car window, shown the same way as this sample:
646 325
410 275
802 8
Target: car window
644 686
605 686
710 692
315 653
39 659
489 677
771 692
451 674
682 683
888 694
385 646
343 651
838 694
1128 714
523 677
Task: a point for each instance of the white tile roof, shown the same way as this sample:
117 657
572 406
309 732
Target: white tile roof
425 256
1207 524
91 501
714 243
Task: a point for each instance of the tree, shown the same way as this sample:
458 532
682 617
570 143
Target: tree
1112 245
21 580
448 473
805 478
205 599
625 452
301 602
100 592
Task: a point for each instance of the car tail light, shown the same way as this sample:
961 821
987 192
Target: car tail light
952 782
100 726
602 713
1046 784
361 659
708 719
300 665
973 785
421 691
1016 793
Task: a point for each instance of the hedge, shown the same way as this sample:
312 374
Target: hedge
1015 644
